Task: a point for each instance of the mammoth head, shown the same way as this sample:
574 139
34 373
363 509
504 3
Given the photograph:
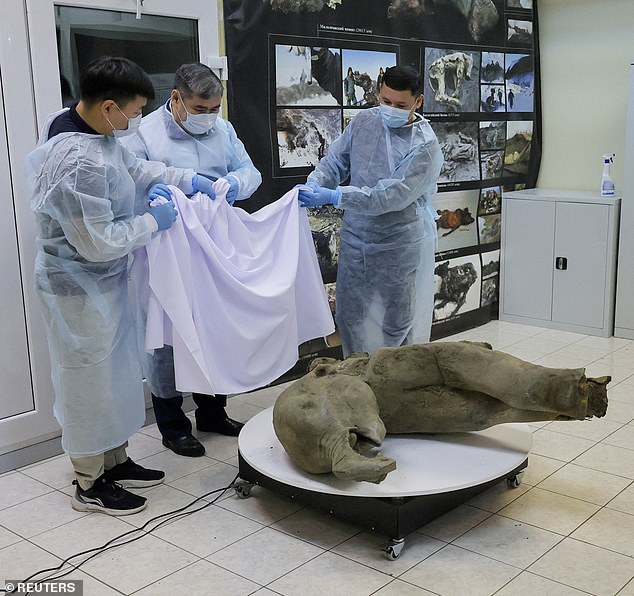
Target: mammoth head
326 420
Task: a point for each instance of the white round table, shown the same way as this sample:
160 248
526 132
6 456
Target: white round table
434 474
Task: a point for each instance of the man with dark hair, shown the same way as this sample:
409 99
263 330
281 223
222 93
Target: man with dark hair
91 199
392 159
188 132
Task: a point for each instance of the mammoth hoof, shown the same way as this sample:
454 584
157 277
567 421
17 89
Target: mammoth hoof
597 393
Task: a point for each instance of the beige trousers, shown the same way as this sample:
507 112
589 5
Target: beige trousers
89 468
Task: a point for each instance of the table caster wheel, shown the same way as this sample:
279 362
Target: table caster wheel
392 548
243 488
516 480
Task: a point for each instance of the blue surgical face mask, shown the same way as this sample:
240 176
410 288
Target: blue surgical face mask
197 124
133 125
394 117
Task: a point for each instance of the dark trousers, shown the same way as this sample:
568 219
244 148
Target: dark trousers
173 423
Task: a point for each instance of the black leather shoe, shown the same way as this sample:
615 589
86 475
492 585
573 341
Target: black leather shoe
187 445
223 426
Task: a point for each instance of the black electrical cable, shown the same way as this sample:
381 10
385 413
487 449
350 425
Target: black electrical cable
173 515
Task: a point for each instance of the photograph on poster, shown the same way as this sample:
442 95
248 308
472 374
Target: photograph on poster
489 291
492 98
490 276
490 200
331 292
325 223
451 81
459 145
303 135
527 4
456 225
492 69
458 20
349 114
491 164
295 80
520 82
519 135
490 228
457 290
519 33
362 72
492 135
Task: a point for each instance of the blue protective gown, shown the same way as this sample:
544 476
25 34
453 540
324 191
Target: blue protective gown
88 193
385 275
216 154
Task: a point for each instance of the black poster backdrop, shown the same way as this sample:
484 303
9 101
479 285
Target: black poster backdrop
301 69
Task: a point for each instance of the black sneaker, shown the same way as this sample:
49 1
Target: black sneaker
131 475
107 497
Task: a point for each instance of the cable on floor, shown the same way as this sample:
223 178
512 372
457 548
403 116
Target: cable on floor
114 542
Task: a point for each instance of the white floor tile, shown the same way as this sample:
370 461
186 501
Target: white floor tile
609 529
454 523
201 577
263 506
21 560
133 566
316 527
39 515
17 488
550 511
497 537
207 531
265 555
330 574
366 548
454 570
559 446
401 588
56 472
529 584
585 484
585 567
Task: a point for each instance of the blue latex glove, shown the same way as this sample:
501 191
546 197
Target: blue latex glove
232 193
202 184
318 196
159 191
164 214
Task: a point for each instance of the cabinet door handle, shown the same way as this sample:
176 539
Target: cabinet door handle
561 263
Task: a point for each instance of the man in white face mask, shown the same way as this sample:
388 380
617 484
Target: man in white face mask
391 158
187 131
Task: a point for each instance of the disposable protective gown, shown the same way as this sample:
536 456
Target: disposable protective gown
88 193
385 275
215 154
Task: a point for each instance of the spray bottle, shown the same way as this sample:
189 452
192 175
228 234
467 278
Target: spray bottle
607 184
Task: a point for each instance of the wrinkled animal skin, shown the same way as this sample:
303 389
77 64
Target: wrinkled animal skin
328 420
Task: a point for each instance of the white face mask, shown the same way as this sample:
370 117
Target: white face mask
133 126
197 124
394 117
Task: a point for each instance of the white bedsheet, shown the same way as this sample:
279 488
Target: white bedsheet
233 293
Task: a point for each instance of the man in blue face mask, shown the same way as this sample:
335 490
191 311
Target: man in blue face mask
392 159
187 131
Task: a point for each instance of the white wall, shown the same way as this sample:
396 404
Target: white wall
586 48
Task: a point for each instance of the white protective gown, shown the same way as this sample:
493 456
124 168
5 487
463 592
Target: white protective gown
385 273
233 293
88 193
214 154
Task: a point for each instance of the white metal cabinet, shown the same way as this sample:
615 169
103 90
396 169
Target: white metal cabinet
624 315
558 259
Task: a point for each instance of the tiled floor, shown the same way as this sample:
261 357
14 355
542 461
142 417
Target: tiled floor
567 529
